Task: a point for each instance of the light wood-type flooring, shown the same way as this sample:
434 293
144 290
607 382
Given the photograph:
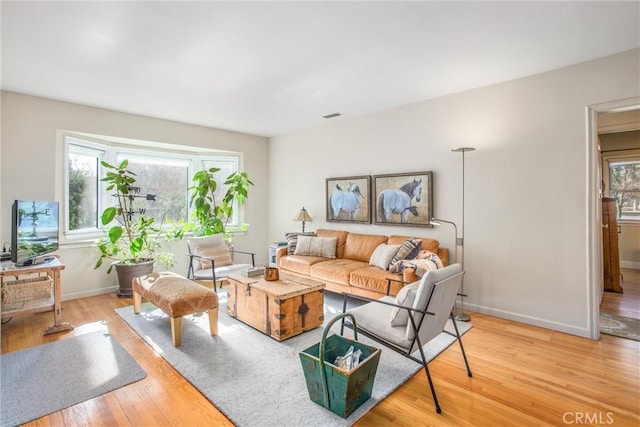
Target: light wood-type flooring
626 304
523 376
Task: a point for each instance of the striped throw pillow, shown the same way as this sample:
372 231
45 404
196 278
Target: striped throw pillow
219 254
409 249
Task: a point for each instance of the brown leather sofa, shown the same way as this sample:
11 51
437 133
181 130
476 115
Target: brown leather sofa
350 270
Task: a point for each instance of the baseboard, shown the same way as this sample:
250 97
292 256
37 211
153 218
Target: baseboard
630 264
529 320
91 293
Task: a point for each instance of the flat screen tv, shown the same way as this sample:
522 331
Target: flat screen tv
34 232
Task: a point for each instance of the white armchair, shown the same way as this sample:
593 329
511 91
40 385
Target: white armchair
419 322
211 259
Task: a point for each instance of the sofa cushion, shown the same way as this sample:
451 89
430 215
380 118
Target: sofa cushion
375 279
382 255
292 240
342 239
335 270
360 247
428 244
300 264
317 246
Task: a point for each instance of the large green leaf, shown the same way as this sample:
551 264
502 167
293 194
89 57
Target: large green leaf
114 233
108 215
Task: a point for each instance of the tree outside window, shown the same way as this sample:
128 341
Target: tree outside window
624 185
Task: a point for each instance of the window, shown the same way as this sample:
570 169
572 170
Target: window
623 182
163 174
82 184
227 166
165 178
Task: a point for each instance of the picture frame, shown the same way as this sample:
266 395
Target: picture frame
348 199
403 199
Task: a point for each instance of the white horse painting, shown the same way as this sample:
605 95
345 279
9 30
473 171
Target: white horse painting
398 201
347 201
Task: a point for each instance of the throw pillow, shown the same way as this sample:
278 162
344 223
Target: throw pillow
382 255
409 249
317 246
220 254
292 240
406 297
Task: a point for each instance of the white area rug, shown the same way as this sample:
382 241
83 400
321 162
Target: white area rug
253 379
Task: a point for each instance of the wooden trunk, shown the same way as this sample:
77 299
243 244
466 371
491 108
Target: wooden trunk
281 308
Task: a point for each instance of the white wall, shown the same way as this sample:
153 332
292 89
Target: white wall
526 185
30 154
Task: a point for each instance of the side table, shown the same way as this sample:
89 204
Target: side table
54 302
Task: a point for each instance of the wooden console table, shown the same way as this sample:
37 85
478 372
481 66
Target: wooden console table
54 302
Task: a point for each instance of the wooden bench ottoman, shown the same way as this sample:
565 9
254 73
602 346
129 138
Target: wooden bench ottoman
177 297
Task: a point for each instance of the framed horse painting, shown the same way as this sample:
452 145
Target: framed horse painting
403 199
349 199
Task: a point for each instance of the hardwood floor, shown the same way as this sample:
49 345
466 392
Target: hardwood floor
523 376
626 304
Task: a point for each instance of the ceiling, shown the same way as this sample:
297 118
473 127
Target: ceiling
270 68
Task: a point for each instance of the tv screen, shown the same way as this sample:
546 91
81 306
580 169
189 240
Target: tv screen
34 231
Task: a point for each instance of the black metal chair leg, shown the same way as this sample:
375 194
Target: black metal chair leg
213 277
433 389
464 354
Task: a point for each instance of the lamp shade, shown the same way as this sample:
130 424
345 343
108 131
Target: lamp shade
303 216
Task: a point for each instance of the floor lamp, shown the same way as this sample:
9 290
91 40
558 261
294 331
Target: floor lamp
458 242
462 315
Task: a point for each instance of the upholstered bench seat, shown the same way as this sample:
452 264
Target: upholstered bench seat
177 297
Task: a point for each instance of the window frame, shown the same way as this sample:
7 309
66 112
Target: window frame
609 157
111 149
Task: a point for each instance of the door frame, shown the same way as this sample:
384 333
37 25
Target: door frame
594 212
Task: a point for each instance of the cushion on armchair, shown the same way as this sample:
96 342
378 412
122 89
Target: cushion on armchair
406 297
212 247
220 255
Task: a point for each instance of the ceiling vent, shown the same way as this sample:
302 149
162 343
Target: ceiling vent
332 115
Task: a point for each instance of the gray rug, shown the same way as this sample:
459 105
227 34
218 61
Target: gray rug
624 327
253 379
40 380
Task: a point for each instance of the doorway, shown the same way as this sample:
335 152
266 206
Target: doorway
614 134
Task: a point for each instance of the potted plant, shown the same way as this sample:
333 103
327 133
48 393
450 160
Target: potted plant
211 215
133 241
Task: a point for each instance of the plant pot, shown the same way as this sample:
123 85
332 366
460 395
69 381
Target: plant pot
128 272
